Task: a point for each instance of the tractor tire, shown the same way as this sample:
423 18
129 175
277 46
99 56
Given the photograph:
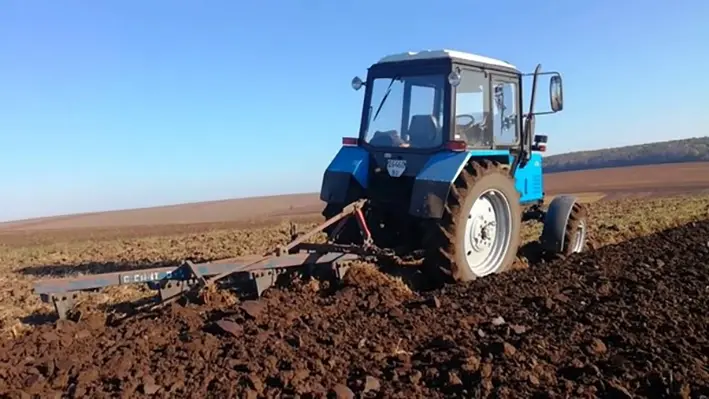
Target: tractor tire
350 233
464 245
576 233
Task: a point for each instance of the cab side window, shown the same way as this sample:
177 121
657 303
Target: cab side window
504 111
471 109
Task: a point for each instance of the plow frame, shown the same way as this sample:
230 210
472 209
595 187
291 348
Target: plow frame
250 275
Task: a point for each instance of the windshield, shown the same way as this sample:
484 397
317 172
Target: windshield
406 112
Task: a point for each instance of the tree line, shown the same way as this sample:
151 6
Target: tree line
675 151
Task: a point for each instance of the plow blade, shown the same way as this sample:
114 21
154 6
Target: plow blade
255 273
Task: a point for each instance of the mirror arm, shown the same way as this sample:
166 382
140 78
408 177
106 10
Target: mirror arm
544 113
530 114
526 147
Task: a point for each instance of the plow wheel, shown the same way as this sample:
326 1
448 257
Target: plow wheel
479 233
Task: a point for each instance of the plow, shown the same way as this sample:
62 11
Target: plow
249 276
445 169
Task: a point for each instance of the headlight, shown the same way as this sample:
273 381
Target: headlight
454 78
357 83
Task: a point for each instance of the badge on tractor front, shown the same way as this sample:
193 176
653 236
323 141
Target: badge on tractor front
396 167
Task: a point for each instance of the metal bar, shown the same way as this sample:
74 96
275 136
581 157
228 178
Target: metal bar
364 229
278 252
346 211
339 227
256 264
195 272
183 272
341 248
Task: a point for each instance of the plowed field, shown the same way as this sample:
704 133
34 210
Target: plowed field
628 319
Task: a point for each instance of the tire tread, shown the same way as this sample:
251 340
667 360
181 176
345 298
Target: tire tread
440 243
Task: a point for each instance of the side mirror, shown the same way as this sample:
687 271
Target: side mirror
556 93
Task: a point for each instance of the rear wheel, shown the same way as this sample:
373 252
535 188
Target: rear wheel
479 233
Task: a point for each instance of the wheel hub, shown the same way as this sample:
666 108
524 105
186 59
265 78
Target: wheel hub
579 238
482 233
488 233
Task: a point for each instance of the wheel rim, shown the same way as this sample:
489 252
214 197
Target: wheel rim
488 233
579 238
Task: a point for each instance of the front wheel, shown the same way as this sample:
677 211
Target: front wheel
575 235
565 229
479 233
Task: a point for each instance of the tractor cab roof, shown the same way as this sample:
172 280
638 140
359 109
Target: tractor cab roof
453 55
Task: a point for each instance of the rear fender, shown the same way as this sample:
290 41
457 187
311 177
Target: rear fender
349 167
555 221
432 184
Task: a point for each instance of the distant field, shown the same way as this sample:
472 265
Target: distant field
613 183
650 180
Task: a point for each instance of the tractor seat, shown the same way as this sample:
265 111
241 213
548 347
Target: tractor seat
424 131
389 138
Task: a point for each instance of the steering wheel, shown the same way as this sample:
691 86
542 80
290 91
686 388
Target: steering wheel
466 130
469 116
474 130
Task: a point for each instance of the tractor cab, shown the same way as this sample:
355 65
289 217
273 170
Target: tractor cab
436 100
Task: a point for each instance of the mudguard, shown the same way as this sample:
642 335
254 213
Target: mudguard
555 221
349 163
432 185
430 189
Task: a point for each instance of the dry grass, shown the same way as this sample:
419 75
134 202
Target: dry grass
30 257
613 221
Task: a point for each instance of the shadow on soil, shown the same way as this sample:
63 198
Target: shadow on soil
123 308
39 318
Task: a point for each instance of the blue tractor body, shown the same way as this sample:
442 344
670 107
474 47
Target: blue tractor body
351 166
450 164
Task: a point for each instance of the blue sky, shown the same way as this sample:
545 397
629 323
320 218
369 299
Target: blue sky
122 104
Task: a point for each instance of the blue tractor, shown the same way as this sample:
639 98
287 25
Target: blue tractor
449 164
445 170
